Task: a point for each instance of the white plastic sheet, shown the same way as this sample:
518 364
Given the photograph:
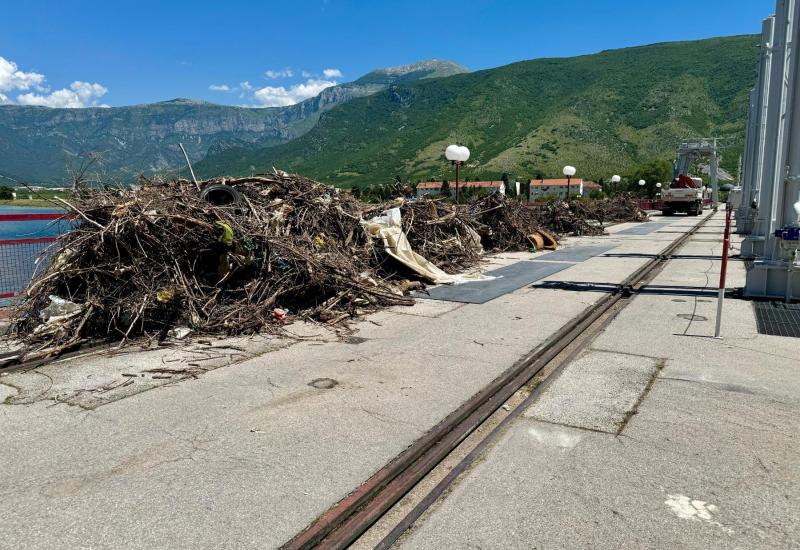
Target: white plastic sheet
388 228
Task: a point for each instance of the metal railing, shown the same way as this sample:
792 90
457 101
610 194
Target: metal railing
23 254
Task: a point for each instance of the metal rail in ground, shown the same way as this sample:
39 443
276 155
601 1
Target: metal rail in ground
351 517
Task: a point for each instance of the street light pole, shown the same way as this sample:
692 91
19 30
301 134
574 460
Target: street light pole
458 166
569 171
457 155
615 179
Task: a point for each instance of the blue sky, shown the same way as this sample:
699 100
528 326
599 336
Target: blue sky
268 53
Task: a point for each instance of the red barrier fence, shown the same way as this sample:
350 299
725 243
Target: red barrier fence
22 257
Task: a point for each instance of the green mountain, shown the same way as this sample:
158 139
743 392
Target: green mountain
39 144
604 113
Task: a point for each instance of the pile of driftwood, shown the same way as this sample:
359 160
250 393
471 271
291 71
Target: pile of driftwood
505 224
589 217
243 255
442 233
619 209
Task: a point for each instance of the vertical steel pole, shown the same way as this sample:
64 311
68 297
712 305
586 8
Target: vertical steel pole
745 164
458 198
714 169
768 36
726 245
790 170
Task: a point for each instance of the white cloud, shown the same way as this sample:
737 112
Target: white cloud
280 96
79 94
11 78
285 73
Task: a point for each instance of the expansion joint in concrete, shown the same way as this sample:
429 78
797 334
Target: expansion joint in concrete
614 352
660 364
572 426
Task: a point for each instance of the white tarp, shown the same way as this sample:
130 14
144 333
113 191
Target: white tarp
388 227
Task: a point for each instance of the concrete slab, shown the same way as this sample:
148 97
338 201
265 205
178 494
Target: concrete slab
597 392
552 486
709 459
246 455
111 375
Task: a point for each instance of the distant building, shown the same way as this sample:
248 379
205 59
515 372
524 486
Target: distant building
435 187
543 188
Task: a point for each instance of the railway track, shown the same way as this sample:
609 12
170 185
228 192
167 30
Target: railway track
352 517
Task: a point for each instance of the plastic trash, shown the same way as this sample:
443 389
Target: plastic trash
59 307
227 233
179 333
388 228
279 314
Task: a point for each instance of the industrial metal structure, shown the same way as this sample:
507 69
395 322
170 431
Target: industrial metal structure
752 169
770 209
690 151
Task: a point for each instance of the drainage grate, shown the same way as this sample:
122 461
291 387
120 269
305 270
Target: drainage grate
778 319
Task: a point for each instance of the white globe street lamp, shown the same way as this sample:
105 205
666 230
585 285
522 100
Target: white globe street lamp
569 171
457 155
452 152
658 189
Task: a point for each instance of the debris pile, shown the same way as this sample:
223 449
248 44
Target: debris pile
505 224
443 234
589 217
620 209
243 255
233 260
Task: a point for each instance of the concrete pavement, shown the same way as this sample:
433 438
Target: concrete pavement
658 436
258 437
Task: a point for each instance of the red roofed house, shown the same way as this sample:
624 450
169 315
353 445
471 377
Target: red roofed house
435 187
558 188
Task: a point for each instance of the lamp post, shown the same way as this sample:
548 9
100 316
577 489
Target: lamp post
615 179
658 189
457 155
569 171
641 184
